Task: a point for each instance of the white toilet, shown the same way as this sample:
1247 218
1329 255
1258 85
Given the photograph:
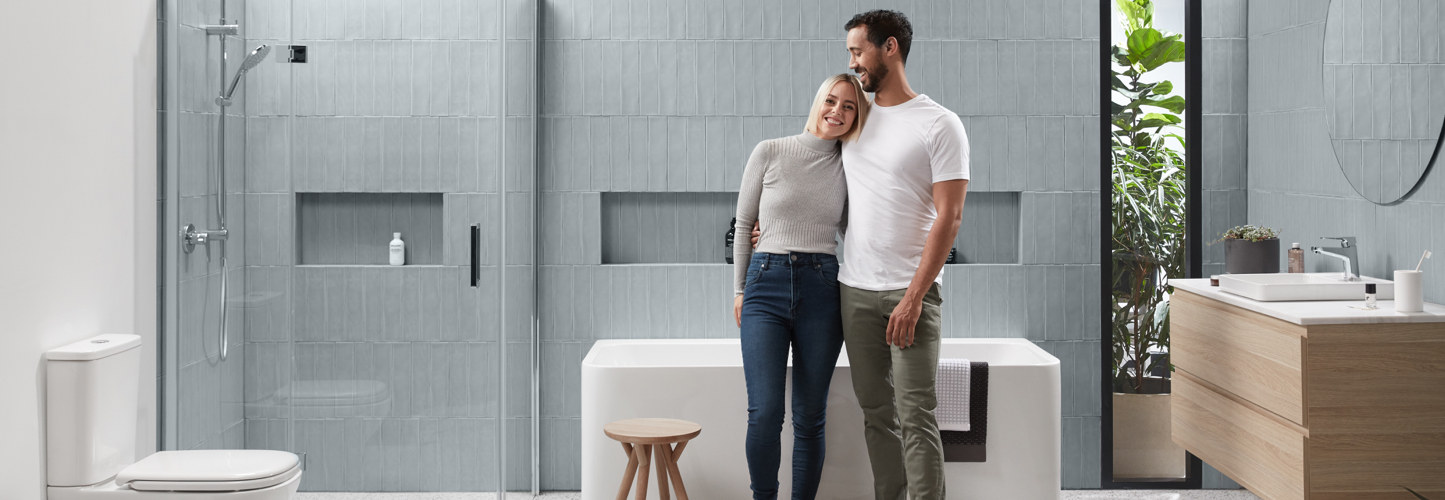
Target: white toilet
90 420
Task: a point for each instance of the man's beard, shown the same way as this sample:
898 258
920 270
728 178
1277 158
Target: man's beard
875 76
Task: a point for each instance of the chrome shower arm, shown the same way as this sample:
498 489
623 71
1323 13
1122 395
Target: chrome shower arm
222 29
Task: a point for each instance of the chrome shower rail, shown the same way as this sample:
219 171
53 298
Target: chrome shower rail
190 236
221 182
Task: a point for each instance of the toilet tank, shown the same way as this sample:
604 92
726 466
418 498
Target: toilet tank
92 392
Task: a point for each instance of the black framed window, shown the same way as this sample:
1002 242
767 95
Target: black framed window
1149 133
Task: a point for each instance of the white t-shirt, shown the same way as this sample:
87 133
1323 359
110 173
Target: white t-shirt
891 169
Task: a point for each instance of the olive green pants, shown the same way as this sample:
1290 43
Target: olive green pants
895 388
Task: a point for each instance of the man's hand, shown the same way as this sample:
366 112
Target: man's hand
757 233
903 321
948 200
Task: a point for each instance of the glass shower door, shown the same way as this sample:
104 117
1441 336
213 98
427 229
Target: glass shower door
367 119
389 126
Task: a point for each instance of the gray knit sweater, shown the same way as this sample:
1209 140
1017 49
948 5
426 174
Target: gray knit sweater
795 187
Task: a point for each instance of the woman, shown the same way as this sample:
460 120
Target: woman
787 292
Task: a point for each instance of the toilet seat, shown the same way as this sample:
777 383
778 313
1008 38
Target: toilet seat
210 470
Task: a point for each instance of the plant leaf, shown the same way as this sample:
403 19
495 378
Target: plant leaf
1161 52
1172 103
1173 119
1137 13
1154 122
1120 56
1163 88
1141 43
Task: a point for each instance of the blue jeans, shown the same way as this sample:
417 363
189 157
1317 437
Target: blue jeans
789 301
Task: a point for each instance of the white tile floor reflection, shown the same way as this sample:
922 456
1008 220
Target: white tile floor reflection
1066 495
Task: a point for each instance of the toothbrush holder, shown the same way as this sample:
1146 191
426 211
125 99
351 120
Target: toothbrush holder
1409 291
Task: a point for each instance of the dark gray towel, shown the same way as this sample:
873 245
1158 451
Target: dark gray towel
971 445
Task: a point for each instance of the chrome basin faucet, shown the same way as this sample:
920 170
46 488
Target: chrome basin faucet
1347 252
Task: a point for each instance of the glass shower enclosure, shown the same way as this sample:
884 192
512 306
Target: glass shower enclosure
285 326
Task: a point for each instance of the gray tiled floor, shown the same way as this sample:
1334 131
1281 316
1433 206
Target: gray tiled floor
1067 495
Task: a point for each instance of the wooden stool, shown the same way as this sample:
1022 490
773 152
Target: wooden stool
640 437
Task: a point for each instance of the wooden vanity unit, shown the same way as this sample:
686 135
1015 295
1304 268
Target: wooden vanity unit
1310 400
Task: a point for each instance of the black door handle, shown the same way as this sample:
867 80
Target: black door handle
476 254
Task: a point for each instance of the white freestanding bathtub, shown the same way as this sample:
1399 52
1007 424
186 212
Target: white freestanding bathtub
702 381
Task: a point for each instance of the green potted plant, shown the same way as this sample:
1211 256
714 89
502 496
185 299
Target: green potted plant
1250 250
1148 197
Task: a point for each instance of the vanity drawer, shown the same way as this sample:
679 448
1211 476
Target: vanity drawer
1263 454
1246 353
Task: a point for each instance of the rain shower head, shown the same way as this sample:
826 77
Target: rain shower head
251 61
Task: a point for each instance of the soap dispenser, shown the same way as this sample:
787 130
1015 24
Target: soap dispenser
398 250
728 240
1296 259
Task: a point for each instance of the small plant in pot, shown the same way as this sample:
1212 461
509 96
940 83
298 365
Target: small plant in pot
1250 250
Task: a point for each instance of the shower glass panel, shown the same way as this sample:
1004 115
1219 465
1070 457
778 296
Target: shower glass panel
205 405
405 117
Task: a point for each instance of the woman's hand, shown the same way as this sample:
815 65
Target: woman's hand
738 310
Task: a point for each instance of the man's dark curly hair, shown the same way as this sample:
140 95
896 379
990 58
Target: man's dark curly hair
882 24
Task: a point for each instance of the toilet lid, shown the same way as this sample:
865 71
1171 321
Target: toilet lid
209 466
192 486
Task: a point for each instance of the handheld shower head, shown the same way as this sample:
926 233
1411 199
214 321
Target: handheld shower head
255 58
251 61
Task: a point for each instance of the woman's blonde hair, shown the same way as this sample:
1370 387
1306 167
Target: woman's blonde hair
858 96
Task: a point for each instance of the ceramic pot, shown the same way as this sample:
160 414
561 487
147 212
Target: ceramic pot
1251 257
1143 448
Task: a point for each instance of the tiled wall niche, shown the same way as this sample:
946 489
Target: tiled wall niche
357 228
655 228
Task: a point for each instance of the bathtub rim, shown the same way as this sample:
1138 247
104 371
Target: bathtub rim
589 361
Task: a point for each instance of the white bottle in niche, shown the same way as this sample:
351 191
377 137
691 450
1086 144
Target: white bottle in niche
398 250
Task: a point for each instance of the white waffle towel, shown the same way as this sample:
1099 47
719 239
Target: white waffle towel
953 384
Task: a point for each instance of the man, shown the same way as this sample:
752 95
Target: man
907 176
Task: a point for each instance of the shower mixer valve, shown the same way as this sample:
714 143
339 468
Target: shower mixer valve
191 237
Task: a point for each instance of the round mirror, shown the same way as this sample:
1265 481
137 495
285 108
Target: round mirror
1384 92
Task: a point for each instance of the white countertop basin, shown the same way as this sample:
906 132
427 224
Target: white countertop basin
1318 312
1278 287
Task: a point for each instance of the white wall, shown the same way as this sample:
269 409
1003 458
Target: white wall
77 204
